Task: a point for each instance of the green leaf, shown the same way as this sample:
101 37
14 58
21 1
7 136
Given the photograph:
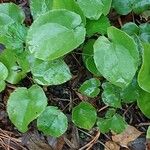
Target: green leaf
69 5
148 133
111 95
91 9
65 28
104 125
50 72
2 85
143 76
17 65
40 7
141 6
87 56
122 57
90 87
107 6
25 105
118 124
84 115
97 26
13 11
52 122
144 103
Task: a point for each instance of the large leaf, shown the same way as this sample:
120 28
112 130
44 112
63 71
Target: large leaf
25 105
87 56
40 7
117 60
50 72
52 122
69 5
144 73
13 11
97 26
17 65
144 103
84 115
65 33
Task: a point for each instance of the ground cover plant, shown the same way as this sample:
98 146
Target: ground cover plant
35 58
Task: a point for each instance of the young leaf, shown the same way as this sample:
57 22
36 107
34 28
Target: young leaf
97 26
122 57
25 105
52 122
111 95
88 59
148 133
144 102
143 76
84 115
50 72
66 32
91 9
90 88
40 7
69 5
13 11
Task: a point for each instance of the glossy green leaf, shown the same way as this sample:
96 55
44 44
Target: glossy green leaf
144 73
91 9
66 32
111 95
52 122
50 72
122 57
69 5
97 26
144 103
148 133
17 65
25 105
13 11
84 115
40 7
88 59
90 88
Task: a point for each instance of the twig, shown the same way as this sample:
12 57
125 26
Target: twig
143 124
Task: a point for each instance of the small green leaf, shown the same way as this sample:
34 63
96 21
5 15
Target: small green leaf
50 72
40 7
148 133
25 105
13 11
2 85
118 124
69 5
97 26
107 6
122 57
144 73
65 33
144 103
88 59
90 88
111 95
52 122
84 115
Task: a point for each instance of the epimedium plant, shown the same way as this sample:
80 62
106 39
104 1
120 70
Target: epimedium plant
59 27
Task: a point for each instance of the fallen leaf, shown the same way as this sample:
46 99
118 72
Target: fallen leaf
110 145
130 134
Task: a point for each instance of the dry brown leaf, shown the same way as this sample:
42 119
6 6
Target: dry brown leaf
130 134
110 145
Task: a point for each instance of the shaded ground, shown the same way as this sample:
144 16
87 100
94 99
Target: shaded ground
65 97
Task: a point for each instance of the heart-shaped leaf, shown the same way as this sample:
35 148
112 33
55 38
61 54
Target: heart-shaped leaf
90 87
84 115
122 57
52 122
50 72
65 33
25 105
